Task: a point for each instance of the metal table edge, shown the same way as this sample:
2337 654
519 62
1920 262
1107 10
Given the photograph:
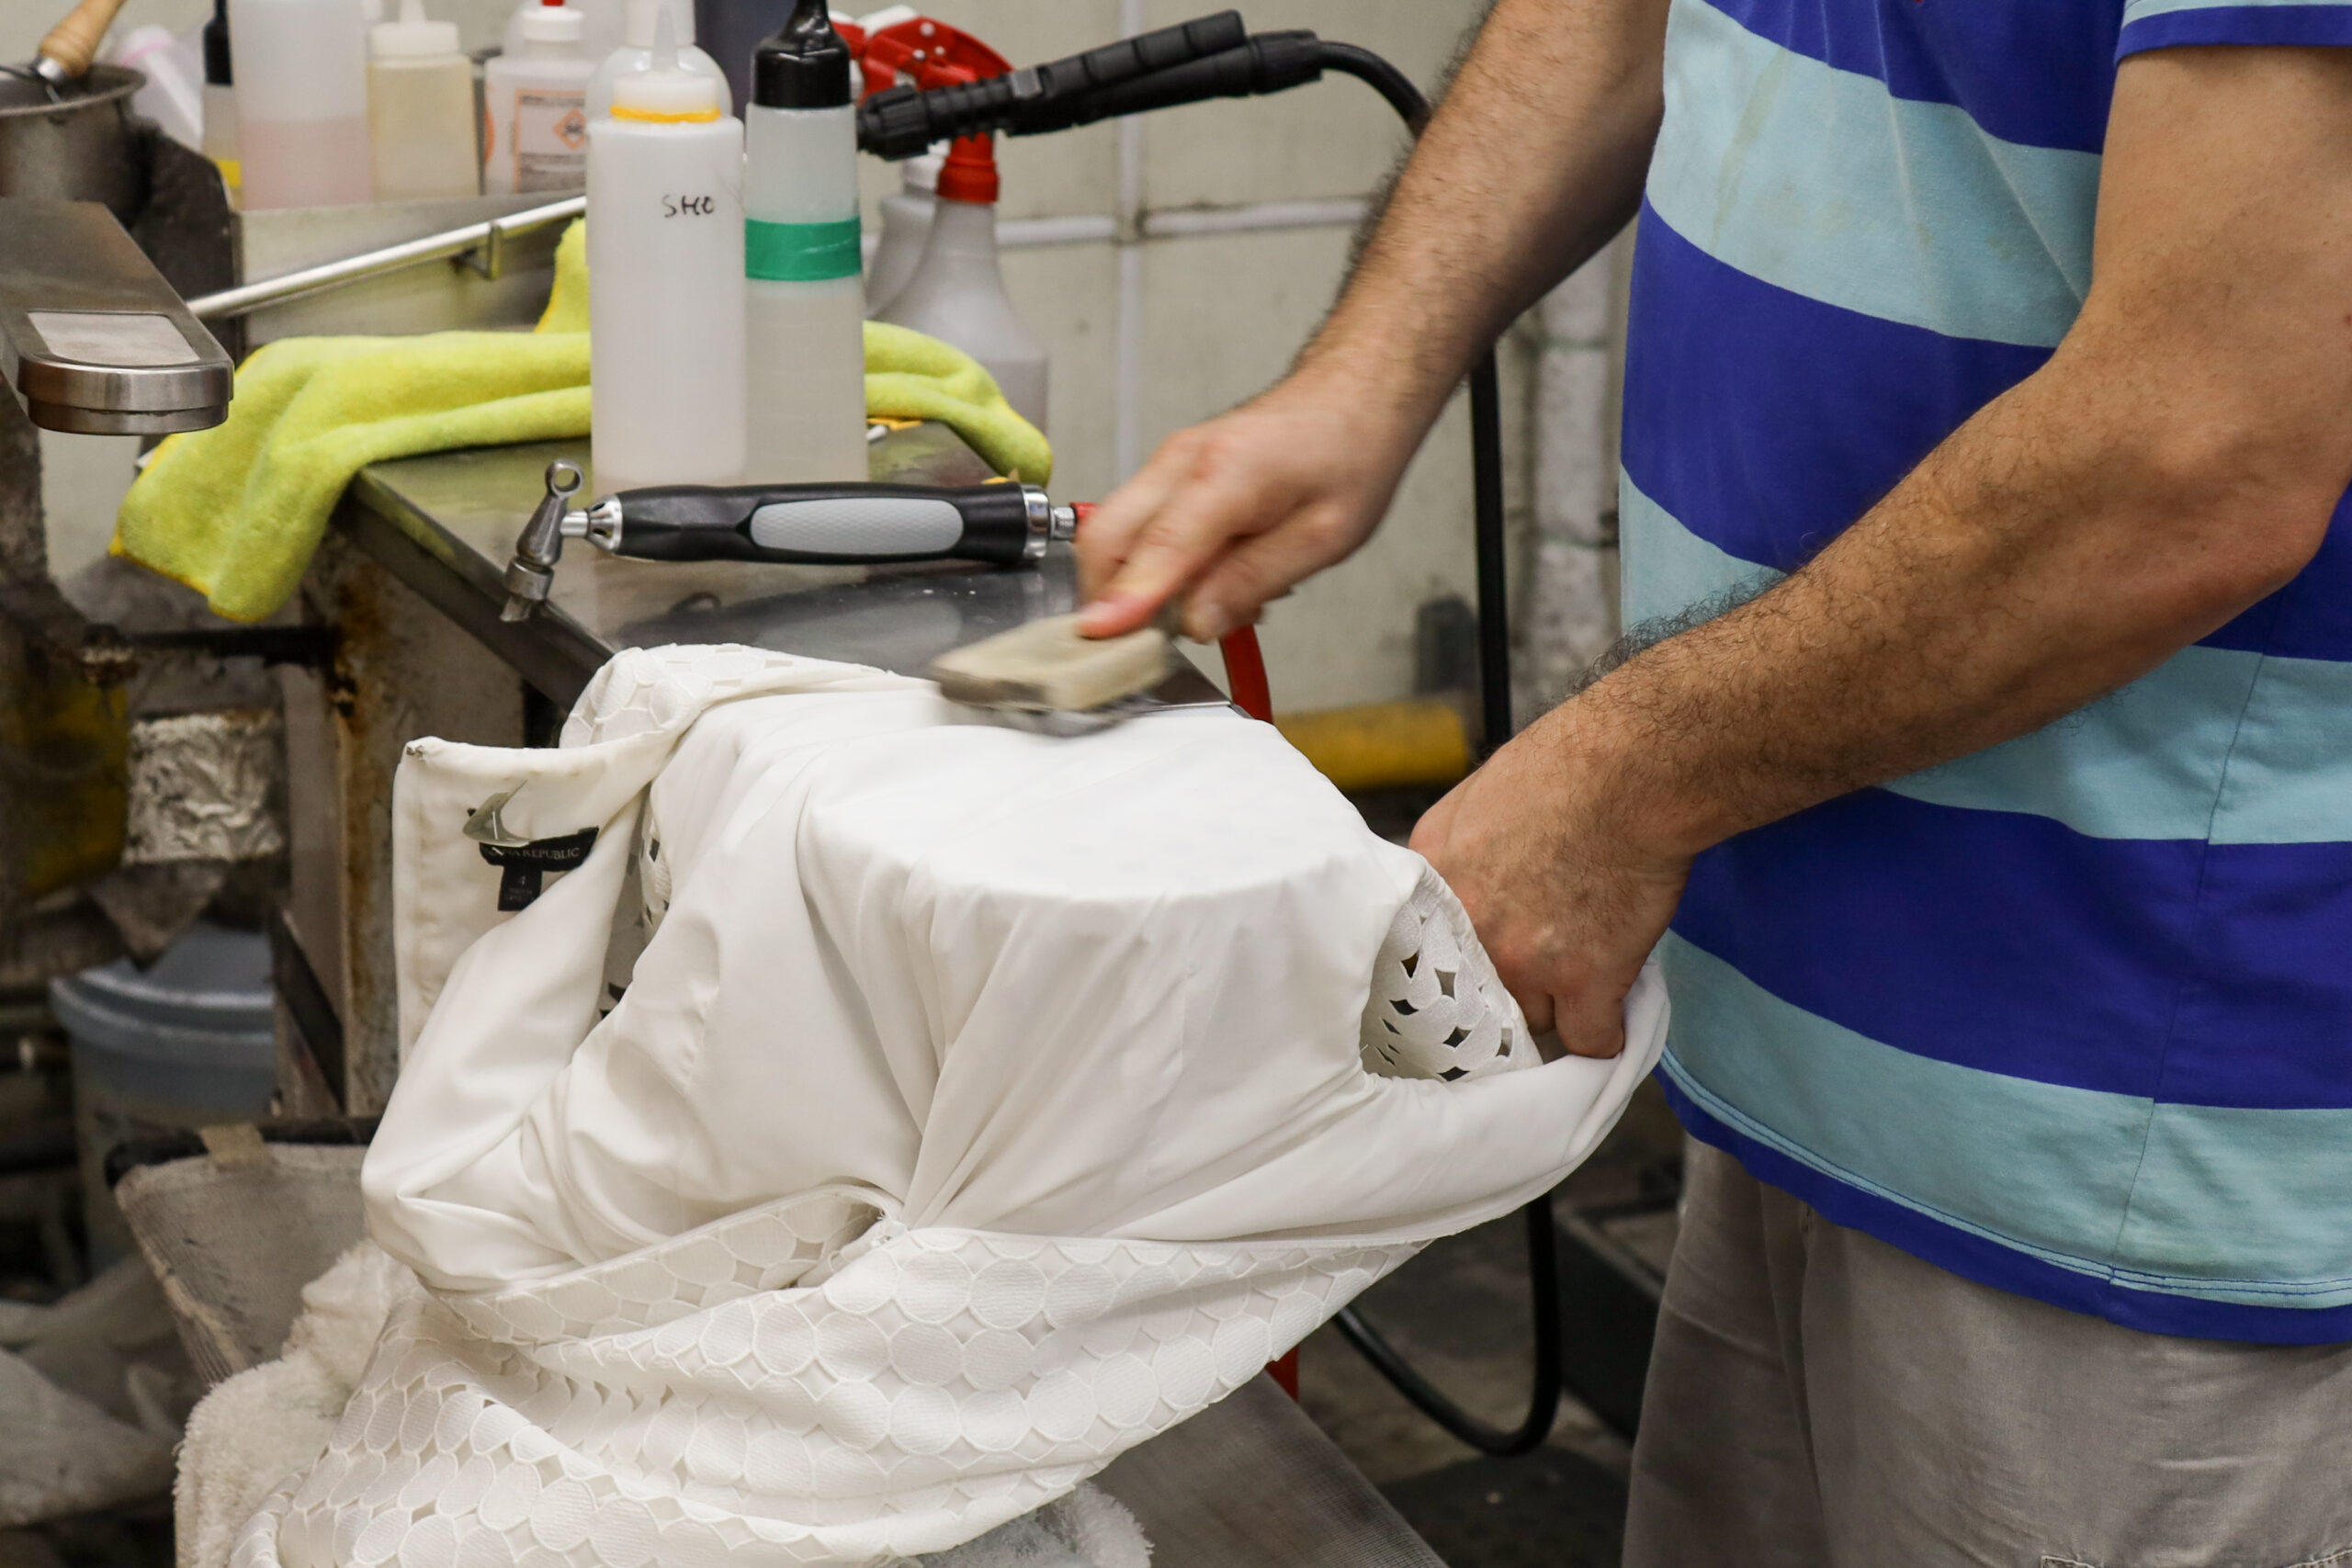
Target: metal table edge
551 650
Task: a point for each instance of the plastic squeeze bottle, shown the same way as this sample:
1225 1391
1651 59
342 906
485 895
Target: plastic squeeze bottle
420 109
636 54
905 228
804 306
221 100
535 106
301 71
603 18
957 292
665 306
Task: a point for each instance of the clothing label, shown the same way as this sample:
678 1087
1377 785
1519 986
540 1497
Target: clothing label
526 865
800 253
551 139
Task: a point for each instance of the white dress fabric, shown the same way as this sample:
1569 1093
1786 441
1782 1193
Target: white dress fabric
895 1118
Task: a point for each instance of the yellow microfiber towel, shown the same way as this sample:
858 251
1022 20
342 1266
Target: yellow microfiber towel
235 512
910 375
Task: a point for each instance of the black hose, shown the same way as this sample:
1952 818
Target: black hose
1495 715
903 120
1382 77
1543 1397
1486 528
1485 428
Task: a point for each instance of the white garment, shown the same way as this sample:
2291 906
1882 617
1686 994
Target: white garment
93 1391
275 1420
981 1104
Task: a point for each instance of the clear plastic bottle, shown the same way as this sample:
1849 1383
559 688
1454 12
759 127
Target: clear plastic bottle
221 100
420 110
636 54
535 106
174 95
957 292
665 254
602 20
301 70
804 306
905 228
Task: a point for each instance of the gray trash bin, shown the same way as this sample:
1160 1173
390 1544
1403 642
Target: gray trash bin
186 1043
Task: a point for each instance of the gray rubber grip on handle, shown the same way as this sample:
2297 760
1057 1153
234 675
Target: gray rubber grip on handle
861 527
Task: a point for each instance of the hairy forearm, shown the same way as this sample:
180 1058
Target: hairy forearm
1533 162
2060 545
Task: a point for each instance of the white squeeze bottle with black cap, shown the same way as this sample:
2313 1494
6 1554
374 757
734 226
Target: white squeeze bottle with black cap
666 269
221 100
804 305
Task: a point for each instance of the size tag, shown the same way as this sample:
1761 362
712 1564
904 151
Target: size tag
799 252
527 865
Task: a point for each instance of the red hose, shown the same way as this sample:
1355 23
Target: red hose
1245 673
1245 667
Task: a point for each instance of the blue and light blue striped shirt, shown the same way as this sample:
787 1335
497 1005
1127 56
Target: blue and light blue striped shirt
2072 1016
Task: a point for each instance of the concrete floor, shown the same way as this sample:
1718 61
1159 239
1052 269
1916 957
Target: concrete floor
1460 1314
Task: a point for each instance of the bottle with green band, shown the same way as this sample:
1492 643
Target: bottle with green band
805 307
800 253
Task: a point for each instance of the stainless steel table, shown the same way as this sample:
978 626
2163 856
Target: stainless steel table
444 525
1251 1482
419 545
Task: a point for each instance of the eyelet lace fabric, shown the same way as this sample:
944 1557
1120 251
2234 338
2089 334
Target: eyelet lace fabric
1437 1009
936 1384
964 1108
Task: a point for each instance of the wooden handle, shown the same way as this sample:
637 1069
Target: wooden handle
74 42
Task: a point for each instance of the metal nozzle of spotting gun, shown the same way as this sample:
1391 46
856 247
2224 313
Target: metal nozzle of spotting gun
816 524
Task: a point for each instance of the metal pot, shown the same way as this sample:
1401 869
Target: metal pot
82 148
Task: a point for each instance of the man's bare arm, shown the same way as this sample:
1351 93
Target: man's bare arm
2178 458
1534 158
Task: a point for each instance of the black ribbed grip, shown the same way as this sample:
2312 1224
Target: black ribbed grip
902 121
1266 62
840 524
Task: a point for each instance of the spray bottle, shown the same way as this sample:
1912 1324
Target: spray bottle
905 228
420 109
957 292
805 417
535 106
665 254
301 71
636 54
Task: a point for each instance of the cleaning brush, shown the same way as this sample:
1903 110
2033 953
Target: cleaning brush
1046 675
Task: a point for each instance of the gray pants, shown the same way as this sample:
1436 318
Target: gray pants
1819 1399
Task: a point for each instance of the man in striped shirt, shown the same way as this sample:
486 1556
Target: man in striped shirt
1993 360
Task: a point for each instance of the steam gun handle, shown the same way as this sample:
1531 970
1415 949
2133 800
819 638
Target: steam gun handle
829 524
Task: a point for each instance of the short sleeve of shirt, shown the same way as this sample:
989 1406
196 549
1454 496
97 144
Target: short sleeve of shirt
2165 24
